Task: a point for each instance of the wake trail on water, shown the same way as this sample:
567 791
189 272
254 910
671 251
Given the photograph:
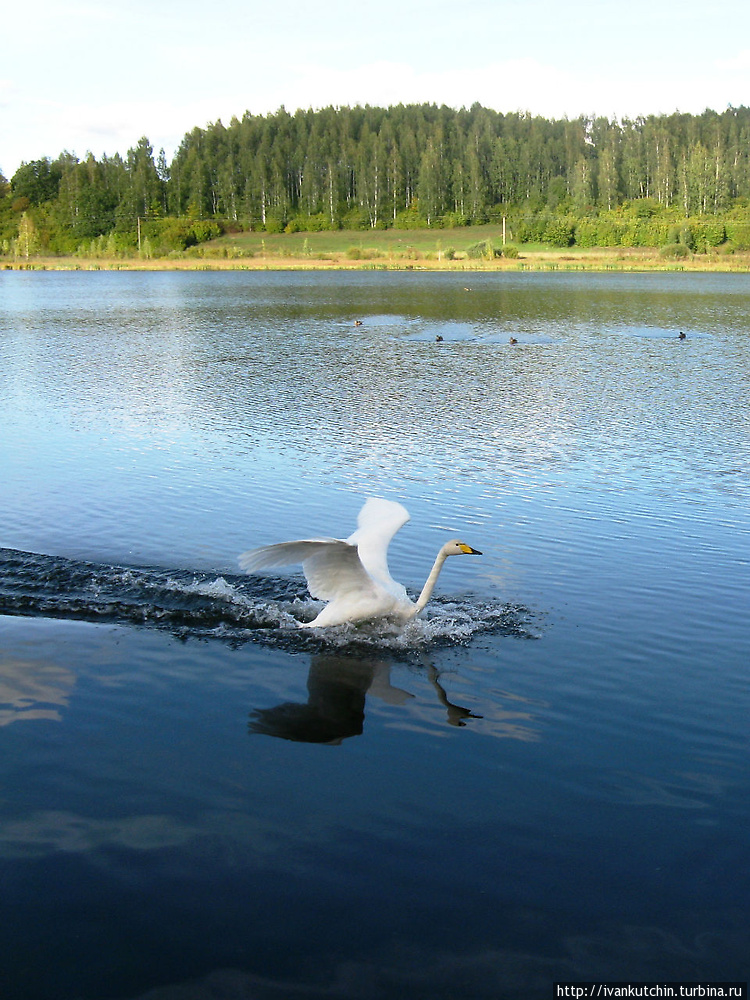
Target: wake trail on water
231 608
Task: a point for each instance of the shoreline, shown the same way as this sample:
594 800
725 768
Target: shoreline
598 260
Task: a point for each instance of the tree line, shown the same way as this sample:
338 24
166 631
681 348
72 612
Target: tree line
583 179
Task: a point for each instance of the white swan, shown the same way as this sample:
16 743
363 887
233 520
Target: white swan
353 575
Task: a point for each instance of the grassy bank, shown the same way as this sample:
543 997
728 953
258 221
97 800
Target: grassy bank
465 249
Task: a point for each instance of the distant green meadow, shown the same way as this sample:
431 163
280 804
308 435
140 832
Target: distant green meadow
406 243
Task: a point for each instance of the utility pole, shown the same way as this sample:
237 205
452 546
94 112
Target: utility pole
139 234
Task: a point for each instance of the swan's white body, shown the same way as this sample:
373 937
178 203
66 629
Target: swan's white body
353 575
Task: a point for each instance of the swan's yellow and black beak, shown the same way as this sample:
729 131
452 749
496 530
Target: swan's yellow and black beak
467 549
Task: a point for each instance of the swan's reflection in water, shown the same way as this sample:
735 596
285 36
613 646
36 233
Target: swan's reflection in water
456 714
337 687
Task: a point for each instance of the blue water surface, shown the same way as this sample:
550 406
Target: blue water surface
543 779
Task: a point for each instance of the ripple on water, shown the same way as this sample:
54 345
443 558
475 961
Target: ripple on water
233 609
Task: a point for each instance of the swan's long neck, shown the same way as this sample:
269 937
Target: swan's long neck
430 582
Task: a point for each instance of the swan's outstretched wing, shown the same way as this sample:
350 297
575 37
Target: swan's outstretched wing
283 554
332 567
378 522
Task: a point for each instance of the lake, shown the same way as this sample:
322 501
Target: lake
542 779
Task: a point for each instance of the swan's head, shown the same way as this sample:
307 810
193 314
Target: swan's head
455 547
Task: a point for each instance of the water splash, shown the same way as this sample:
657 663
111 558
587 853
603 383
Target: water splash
233 609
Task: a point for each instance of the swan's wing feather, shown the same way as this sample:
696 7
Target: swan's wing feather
332 567
283 554
378 522
380 515
335 571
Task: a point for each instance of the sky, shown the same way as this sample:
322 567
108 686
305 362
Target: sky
96 75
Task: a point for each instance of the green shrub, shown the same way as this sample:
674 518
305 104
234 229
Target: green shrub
320 223
510 251
174 234
739 234
608 233
362 253
204 230
531 229
687 236
409 219
356 218
558 232
707 234
453 220
633 234
681 233
656 233
482 249
713 233
644 208
585 233
675 250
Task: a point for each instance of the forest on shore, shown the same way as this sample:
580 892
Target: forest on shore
679 182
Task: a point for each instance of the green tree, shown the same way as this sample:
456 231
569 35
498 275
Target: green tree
370 166
39 180
144 193
633 173
8 217
27 243
370 174
582 186
431 183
